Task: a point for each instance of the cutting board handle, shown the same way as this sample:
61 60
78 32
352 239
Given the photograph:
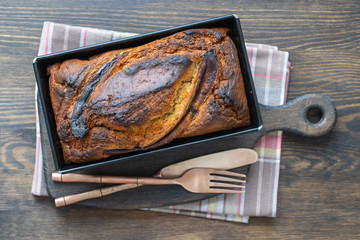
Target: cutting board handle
308 115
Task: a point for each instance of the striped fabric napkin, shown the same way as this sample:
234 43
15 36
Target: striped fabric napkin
270 69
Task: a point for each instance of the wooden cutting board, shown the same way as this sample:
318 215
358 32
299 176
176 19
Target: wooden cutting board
309 115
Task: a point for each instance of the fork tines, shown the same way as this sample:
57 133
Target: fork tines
227 182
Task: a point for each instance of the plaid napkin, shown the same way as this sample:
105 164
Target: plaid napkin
270 69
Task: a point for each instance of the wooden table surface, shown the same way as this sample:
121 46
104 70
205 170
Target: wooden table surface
319 179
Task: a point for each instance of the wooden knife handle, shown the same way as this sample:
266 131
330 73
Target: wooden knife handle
296 116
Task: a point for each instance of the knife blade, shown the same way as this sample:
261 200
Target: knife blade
222 160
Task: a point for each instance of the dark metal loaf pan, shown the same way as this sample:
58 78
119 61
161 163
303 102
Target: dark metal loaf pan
148 162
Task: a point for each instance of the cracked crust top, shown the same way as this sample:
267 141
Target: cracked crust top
184 85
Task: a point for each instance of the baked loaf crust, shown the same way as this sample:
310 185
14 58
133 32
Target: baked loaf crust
184 85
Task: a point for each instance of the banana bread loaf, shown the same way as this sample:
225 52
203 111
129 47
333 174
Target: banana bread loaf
184 85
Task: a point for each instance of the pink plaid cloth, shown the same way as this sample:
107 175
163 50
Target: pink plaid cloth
270 68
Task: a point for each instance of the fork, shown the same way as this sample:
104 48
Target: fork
196 180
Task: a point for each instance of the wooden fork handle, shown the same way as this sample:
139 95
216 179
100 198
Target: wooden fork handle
71 199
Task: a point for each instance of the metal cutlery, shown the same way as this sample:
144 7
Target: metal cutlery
222 160
196 180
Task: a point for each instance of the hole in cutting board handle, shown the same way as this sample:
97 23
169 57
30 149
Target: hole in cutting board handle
314 114
319 114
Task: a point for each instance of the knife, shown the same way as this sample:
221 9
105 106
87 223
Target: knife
222 160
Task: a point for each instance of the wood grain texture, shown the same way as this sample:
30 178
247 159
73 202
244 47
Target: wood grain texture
319 178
